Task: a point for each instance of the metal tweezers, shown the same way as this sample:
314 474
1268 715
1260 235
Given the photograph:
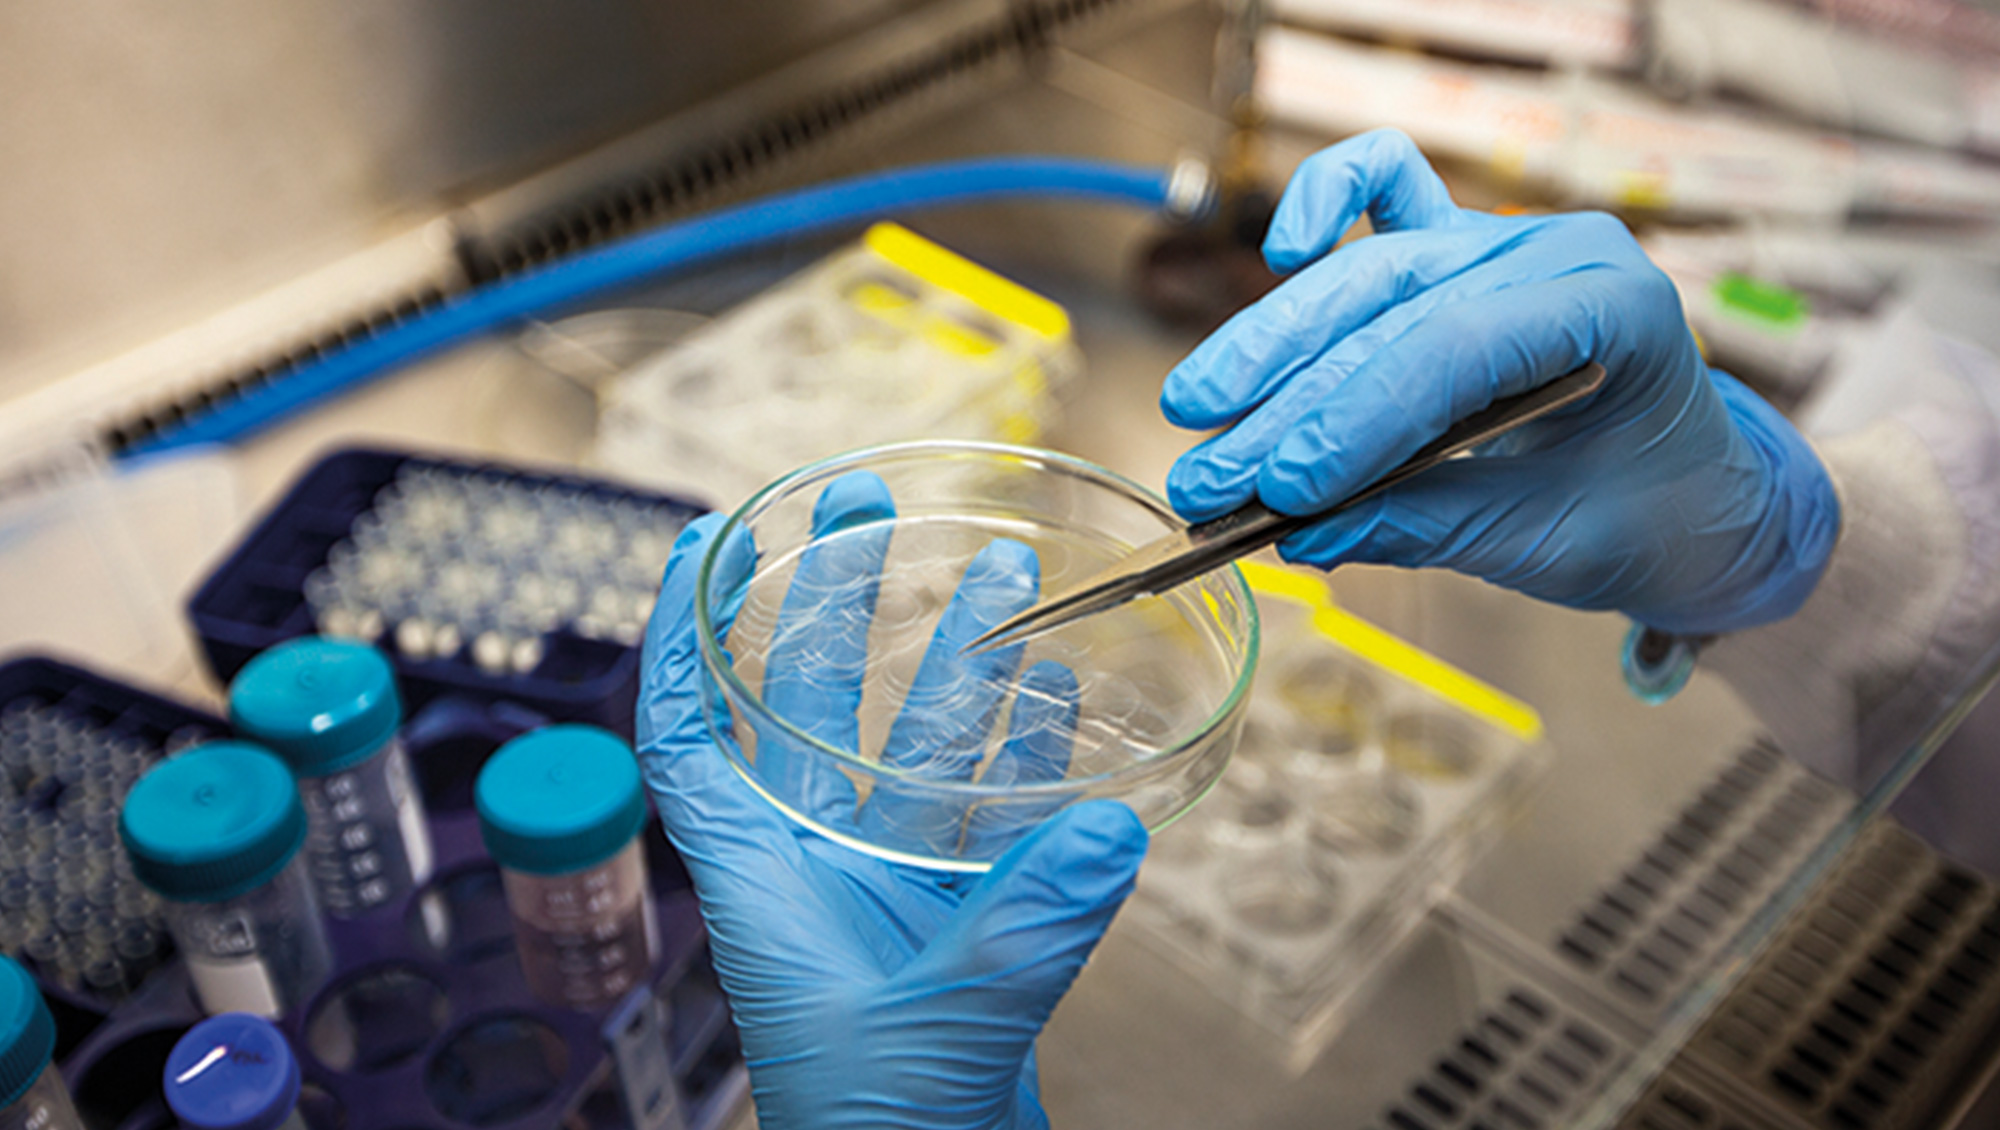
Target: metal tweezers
1180 557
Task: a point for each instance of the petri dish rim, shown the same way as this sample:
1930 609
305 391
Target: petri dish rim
716 663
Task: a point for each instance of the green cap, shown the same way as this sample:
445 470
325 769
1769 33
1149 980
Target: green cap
27 1032
215 822
1778 305
559 800
323 705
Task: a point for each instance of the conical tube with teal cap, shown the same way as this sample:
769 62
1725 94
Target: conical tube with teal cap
330 709
32 1095
561 810
216 833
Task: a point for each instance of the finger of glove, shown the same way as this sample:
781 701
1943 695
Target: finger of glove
990 979
1380 172
777 929
1500 518
941 732
1256 352
819 649
1528 523
1041 730
670 663
1453 360
729 837
1222 472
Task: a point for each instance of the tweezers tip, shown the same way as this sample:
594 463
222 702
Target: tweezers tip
985 642
1017 629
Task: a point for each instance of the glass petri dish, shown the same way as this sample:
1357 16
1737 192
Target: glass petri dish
831 607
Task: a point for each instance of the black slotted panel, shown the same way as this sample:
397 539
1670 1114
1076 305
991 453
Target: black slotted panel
148 422
1677 1103
1875 1008
1673 905
1527 1063
1524 1064
1877 1005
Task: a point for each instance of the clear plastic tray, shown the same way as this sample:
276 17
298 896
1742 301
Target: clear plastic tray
1367 774
892 339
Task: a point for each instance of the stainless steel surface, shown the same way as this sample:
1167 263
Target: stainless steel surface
1181 556
822 115
470 176
161 165
1135 1044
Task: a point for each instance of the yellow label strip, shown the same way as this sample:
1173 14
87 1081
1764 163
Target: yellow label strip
1392 654
1001 297
1286 584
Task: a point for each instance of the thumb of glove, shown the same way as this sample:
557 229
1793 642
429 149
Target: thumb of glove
996 972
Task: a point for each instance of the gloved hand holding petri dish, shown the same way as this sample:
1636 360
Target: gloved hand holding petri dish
832 611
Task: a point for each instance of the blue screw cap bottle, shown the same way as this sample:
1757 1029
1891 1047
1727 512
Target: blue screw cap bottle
233 1072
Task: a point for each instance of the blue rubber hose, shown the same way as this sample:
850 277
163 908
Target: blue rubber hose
650 255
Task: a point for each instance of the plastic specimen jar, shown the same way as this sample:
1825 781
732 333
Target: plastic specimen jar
831 610
330 709
217 833
233 1072
561 810
32 1095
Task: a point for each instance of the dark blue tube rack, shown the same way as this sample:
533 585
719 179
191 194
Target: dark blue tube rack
417 1029
256 598
115 709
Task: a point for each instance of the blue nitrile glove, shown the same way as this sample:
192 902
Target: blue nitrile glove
870 994
1674 495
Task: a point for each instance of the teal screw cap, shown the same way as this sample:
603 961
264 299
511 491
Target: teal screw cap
324 705
559 800
27 1032
212 823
